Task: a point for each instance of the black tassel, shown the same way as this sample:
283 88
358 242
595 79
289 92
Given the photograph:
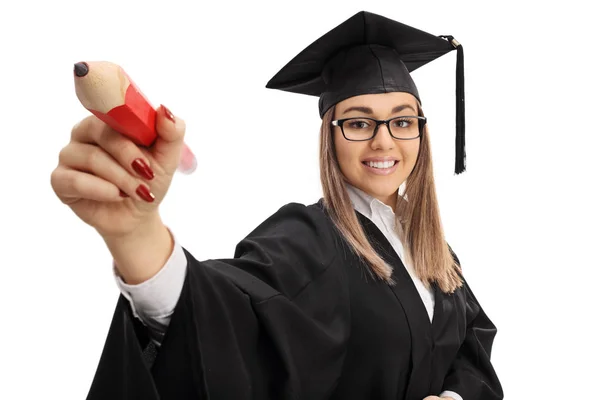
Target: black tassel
460 152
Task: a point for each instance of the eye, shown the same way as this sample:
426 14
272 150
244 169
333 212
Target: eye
402 122
358 123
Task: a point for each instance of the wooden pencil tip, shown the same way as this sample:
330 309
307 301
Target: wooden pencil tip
81 69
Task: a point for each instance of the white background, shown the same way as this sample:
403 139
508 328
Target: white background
523 219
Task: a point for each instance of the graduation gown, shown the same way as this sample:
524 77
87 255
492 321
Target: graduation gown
293 315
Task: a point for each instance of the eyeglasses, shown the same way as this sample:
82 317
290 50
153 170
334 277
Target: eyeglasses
361 129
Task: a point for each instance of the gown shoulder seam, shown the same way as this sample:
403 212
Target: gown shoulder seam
299 293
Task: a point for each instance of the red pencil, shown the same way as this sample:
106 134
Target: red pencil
106 90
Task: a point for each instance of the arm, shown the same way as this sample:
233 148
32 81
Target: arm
472 374
149 267
247 327
153 301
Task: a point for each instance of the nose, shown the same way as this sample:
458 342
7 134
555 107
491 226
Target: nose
383 139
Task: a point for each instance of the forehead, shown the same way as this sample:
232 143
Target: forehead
379 102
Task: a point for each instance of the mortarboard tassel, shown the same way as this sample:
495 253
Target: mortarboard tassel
460 153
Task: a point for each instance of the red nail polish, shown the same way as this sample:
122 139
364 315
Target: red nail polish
123 194
168 113
142 168
145 193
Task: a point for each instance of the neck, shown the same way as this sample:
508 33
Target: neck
389 200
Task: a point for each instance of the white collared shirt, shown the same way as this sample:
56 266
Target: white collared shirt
384 218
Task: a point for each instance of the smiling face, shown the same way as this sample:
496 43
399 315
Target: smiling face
355 158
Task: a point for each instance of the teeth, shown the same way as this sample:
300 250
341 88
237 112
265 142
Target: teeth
381 164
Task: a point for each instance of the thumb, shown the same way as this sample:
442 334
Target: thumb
168 147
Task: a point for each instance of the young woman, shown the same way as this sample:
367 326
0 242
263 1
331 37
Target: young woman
357 296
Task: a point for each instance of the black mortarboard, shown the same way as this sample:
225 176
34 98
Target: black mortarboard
367 54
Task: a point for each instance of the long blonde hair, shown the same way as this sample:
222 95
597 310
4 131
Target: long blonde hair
418 216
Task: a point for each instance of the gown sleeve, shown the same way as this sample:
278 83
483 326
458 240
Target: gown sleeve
472 374
270 323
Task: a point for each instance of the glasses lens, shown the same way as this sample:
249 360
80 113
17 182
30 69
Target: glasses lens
405 127
358 128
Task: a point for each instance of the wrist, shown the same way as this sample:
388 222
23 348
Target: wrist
139 255
145 228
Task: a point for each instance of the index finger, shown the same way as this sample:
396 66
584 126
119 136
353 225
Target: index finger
89 130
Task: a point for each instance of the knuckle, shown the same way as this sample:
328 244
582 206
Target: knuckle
95 158
55 178
115 144
83 127
75 182
126 182
75 129
60 181
63 155
106 134
122 146
78 127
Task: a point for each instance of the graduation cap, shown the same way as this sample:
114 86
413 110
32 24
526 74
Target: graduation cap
367 54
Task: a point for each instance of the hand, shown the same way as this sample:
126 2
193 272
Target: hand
437 398
95 171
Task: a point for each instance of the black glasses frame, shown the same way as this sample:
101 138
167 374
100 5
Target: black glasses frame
421 120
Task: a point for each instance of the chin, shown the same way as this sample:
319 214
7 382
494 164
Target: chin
380 186
381 189
386 191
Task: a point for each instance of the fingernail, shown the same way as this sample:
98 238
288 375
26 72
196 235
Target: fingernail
145 193
168 113
142 168
123 194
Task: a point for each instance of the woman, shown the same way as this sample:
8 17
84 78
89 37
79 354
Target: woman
357 296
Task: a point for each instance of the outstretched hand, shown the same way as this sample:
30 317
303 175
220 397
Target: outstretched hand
111 183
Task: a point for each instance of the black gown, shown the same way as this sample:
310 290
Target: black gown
294 316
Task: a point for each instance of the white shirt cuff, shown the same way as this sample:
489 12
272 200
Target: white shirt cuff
452 395
154 300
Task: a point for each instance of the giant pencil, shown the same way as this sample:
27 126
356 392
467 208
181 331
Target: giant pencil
106 90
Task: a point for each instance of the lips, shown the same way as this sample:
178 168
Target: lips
379 159
380 168
380 164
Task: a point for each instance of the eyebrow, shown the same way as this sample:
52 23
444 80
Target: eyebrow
368 110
